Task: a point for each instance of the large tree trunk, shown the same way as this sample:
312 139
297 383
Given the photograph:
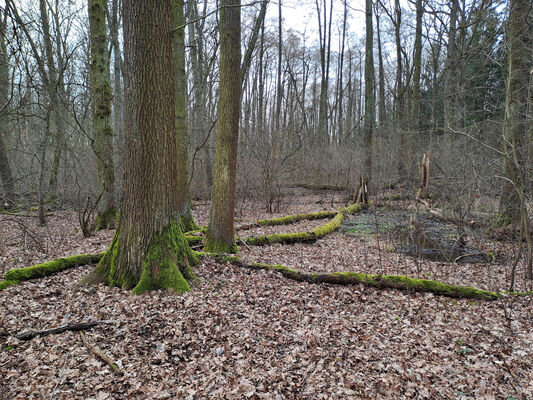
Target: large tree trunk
220 235
149 250
515 129
5 170
101 96
370 109
184 198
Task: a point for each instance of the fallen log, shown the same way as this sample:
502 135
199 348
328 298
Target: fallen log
30 334
437 214
307 236
399 282
50 267
5 284
100 354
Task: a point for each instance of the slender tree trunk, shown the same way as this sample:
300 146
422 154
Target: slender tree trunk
324 30
118 97
403 155
101 97
258 24
370 109
260 100
340 112
516 123
184 199
5 170
381 104
417 62
450 69
279 88
55 101
220 234
149 250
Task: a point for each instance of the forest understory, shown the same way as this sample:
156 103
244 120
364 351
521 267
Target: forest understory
242 333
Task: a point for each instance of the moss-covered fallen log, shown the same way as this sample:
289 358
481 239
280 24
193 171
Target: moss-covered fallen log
307 236
5 284
50 267
399 282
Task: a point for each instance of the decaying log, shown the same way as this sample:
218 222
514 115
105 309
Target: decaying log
423 186
307 236
361 194
399 282
30 334
99 353
437 214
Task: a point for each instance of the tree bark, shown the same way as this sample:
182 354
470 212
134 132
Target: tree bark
184 208
6 175
220 234
101 111
417 62
370 109
149 250
516 123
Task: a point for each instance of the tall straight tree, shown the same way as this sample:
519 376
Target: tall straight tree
220 234
101 97
516 119
6 176
184 198
149 250
370 104
324 35
417 61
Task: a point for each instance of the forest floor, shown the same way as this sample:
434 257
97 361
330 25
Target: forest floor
242 333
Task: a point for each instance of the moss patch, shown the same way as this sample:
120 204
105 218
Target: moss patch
50 267
219 246
5 284
106 220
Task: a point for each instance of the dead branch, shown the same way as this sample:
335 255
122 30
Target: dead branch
99 353
30 334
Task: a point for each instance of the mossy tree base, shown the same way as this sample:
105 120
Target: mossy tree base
167 264
218 246
188 224
399 282
106 220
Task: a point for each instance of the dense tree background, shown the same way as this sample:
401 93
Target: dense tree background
436 76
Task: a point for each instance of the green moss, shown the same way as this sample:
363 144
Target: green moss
48 268
279 238
329 227
187 223
7 283
194 239
354 208
167 262
106 220
219 246
289 219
